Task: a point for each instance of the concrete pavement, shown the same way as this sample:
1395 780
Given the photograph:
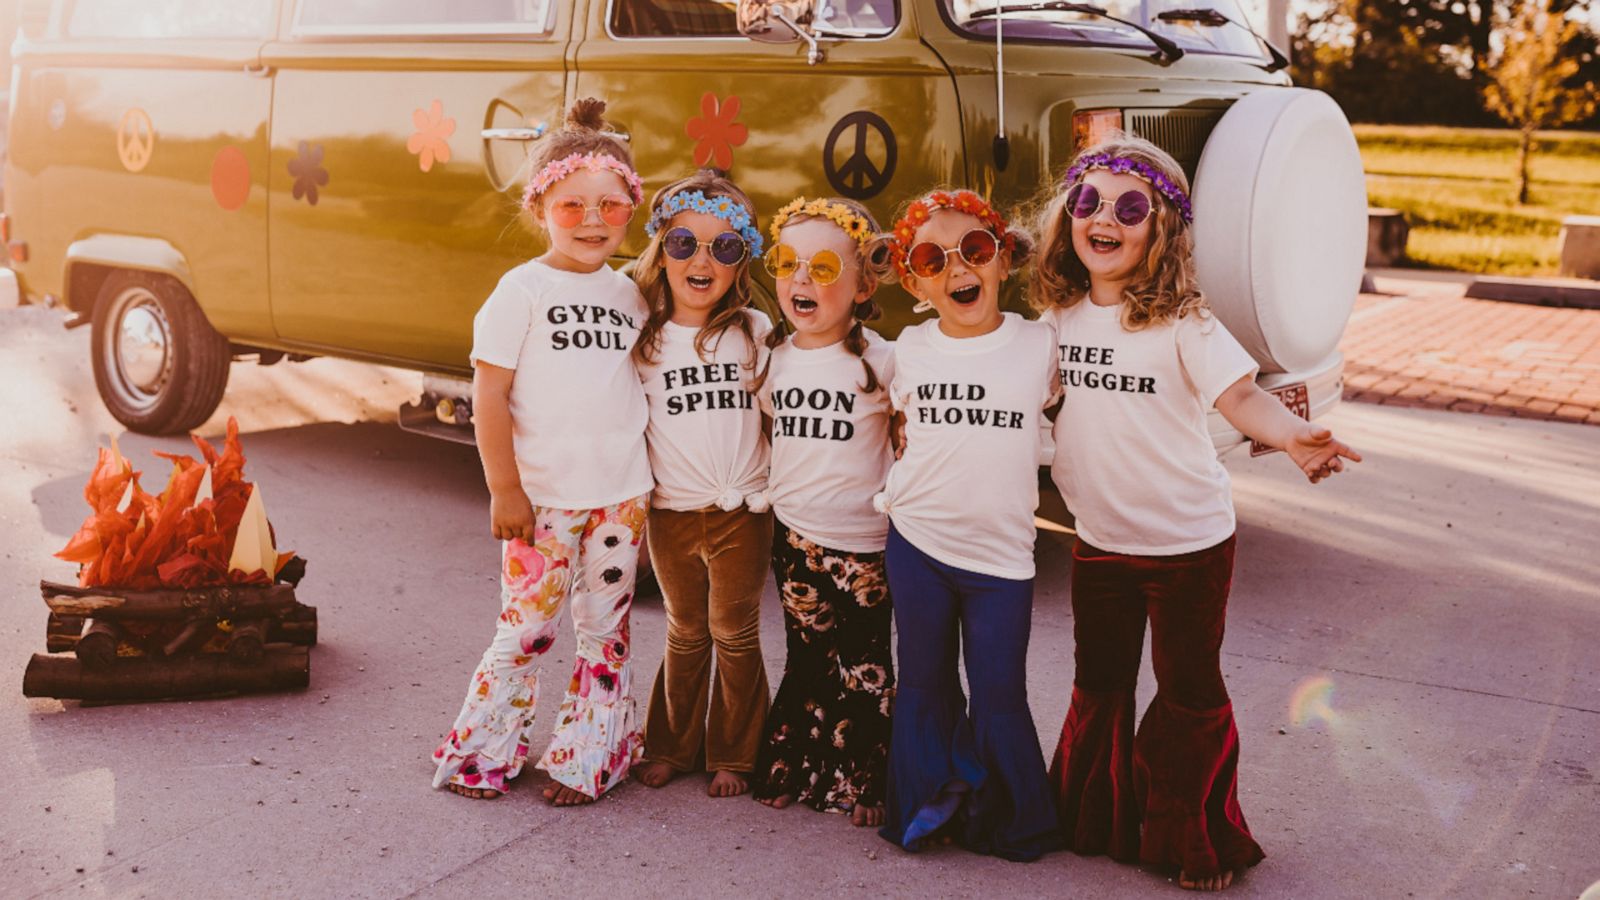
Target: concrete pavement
1411 653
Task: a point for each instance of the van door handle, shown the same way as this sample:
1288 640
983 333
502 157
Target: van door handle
513 134
258 70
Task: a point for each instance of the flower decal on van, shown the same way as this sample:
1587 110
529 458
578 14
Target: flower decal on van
308 173
716 132
430 142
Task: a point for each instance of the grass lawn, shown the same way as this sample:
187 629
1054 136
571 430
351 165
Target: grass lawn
1457 188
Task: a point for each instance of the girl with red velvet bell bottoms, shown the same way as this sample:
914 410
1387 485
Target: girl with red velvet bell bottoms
1142 360
560 416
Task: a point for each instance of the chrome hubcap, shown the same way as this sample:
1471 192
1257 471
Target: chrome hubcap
142 346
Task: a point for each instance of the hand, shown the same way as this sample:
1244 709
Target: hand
511 515
1317 454
897 434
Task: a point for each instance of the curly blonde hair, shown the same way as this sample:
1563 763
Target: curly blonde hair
1163 287
650 274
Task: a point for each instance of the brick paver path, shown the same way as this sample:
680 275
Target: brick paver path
1429 346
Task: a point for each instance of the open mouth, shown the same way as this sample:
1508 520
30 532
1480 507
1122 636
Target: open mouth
804 305
1100 244
699 282
965 295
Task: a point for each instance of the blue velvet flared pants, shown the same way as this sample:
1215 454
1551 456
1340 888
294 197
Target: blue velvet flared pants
973 772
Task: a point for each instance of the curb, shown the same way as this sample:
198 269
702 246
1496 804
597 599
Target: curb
1576 293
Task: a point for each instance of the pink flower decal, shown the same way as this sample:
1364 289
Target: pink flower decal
716 132
430 142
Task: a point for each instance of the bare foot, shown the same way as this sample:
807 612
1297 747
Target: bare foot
1209 883
561 795
474 793
727 784
778 802
866 816
653 773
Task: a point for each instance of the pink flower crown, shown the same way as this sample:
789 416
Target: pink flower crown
594 162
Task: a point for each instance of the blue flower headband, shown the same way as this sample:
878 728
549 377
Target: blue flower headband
725 208
1124 166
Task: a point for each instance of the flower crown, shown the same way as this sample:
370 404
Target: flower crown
1122 165
852 222
558 169
905 230
725 208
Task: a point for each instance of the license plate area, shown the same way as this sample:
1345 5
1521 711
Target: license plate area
1297 399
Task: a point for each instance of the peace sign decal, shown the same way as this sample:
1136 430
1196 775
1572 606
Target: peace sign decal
136 139
859 176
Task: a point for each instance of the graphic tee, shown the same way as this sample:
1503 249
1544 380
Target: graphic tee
1134 458
578 413
830 442
965 489
706 443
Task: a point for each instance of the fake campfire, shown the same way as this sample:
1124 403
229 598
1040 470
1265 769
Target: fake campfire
179 594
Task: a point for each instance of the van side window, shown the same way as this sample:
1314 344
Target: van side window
401 17
172 18
673 18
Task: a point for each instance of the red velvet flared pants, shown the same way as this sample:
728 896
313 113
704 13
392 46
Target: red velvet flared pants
1168 795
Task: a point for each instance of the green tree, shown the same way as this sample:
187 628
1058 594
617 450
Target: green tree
1534 79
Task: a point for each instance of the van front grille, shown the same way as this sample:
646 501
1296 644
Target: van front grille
1180 132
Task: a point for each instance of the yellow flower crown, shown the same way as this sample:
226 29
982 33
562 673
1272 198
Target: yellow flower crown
843 216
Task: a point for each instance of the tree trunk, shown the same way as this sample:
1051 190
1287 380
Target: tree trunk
146 678
1522 166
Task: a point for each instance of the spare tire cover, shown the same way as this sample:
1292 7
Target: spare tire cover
1280 206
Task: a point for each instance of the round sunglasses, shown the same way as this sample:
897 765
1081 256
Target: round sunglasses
825 266
977 249
680 244
1130 209
569 212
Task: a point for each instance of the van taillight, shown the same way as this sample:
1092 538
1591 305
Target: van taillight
1091 126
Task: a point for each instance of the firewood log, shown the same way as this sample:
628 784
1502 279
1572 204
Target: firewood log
280 668
223 601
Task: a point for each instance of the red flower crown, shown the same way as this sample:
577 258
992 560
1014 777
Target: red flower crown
905 230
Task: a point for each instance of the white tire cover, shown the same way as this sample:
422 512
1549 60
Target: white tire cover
1280 206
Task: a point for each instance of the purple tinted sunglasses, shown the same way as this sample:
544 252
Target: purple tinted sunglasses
1130 209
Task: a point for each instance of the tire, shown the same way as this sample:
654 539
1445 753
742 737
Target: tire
159 365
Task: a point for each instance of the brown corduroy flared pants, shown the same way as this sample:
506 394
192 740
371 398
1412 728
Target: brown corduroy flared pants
712 567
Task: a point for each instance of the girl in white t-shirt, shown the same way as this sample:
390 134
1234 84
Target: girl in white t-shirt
1142 360
709 533
825 391
972 386
560 419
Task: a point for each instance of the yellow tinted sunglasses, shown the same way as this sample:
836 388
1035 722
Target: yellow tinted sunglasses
825 266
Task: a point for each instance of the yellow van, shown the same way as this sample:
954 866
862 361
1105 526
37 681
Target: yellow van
204 181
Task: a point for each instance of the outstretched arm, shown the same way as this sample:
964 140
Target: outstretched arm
1259 415
510 513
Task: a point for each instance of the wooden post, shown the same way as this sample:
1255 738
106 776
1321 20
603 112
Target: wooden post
146 678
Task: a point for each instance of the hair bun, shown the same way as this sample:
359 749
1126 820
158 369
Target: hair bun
589 113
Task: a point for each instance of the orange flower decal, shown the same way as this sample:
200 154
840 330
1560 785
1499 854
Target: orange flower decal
430 142
716 132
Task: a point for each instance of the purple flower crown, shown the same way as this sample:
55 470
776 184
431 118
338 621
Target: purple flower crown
1125 166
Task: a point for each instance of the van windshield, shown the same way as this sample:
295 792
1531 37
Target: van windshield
1083 28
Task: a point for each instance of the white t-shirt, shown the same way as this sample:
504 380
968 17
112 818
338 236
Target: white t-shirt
578 414
706 443
830 442
965 490
1134 458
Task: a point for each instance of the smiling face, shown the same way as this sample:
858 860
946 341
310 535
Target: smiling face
820 314
699 282
966 298
584 247
1111 251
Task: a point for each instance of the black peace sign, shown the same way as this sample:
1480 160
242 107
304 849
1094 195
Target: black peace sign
859 177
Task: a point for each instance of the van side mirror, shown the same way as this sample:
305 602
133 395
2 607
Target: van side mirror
780 22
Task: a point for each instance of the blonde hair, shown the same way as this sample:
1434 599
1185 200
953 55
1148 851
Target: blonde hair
1163 287
650 275
866 280
585 131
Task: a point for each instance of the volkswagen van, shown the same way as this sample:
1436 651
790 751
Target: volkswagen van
208 181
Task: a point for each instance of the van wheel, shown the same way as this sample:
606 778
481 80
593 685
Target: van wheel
159 365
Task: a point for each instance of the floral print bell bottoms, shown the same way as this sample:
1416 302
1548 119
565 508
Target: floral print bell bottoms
827 736
589 556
